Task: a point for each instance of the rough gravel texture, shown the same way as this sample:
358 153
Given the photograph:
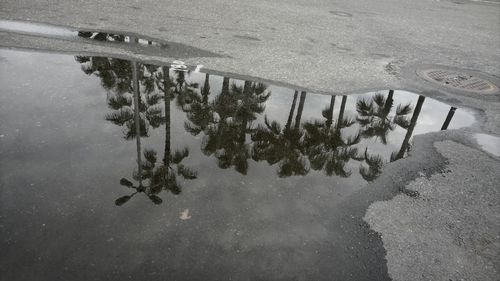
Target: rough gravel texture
450 231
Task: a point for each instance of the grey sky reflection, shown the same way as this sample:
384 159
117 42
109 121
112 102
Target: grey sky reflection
69 112
61 163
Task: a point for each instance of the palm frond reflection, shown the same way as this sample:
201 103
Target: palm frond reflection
338 139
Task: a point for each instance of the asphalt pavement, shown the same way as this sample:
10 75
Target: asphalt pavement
441 218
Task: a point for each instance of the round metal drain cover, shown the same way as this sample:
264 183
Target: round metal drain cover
458 80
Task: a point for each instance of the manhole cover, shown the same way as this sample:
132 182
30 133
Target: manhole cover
458 80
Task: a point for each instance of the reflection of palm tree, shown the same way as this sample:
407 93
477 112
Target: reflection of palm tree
374 163
225 121
115 74
220 130
409 130
325 146
184 90
292 110
165 84
200 114
223 141
341 113
300 109
121 78
251 99
448 118
328 112
374 118
282 146
116 78
159 176
162 176
140 165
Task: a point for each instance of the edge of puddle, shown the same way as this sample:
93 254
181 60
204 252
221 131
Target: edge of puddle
118 45
395 177
479 114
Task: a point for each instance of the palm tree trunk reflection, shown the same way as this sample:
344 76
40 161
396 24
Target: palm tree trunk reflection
389 101
244 122
137 118
166 99
225 85
290 115
206 89
409 132
329 113
448 118
299 110
341 114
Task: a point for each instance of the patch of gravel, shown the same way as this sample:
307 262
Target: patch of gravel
450 231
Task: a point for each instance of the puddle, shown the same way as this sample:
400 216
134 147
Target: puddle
30 28
36 29
96 147
489 143
138 43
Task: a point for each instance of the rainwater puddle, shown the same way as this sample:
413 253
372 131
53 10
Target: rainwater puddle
489 143
194 174
131 42
40 29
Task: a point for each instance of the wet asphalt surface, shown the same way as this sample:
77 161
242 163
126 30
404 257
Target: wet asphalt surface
264 171
265 245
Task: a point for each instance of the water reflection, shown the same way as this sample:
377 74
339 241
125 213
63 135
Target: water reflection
112 37
275 172
448 118
32 28
375 119
233 126
409 130
230 117
135 93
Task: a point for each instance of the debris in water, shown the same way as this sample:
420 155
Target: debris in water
185 215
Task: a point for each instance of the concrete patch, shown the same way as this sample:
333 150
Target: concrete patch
450 232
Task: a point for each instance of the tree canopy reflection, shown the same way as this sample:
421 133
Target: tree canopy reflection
234 128
135 92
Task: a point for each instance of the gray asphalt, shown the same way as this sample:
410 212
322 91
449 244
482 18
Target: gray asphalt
345 47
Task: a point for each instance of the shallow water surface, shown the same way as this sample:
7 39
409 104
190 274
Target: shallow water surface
40 29
112 169
130 42
489 143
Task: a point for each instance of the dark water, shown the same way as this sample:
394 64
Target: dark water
237 180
